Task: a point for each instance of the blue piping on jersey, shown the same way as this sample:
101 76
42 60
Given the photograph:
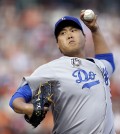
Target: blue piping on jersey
108 57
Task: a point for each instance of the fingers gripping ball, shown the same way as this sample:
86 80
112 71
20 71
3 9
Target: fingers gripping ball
42 99
88 15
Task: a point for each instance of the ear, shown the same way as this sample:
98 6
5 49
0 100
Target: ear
84 35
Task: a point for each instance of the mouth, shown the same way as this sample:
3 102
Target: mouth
71 42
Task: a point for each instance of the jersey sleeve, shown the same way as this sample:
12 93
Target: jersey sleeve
106 63
106 57
23 92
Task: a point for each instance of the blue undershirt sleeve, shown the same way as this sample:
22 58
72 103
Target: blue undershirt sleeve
108 57
23 92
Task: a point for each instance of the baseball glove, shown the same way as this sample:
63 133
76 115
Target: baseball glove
41 99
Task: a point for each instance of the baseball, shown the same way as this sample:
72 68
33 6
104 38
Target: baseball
88 15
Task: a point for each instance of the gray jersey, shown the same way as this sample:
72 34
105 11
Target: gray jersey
82 100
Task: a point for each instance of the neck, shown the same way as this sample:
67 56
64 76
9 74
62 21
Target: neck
79 55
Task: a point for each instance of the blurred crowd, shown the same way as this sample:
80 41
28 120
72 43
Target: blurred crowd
27 41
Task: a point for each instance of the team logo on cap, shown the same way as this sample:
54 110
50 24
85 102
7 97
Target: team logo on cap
63 18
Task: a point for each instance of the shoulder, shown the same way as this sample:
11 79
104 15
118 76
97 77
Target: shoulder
47 67
51 63
105 62
106 59
55 62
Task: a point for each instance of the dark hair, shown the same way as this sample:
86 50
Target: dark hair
67 21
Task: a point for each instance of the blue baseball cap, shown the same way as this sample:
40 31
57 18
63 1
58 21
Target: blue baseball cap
67 21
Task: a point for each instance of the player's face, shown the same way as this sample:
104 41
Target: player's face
71 41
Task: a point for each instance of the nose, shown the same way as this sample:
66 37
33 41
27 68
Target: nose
69 35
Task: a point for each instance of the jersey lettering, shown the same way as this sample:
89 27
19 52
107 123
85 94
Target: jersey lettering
83 76
105 75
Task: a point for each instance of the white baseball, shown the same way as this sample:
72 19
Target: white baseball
88 15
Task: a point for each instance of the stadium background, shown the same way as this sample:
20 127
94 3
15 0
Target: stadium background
27 41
